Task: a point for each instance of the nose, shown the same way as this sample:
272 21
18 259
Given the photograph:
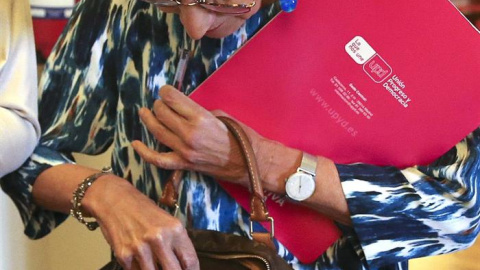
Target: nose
196 20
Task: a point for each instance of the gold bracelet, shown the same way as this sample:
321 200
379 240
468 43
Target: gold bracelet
78 195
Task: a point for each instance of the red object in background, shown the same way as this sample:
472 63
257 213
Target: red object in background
49 19
46 33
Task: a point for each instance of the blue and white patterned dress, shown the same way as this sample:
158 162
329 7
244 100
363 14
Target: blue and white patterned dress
111 61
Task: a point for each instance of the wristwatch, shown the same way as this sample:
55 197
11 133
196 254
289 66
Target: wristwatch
301 185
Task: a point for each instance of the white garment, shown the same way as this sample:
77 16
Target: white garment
19 127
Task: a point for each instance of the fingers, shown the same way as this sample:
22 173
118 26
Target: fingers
142 261
183 125
142 235
166 248
171 121
167 258
181 104
159 131
166 160
198 140
185 253
145 258
175 252
125 259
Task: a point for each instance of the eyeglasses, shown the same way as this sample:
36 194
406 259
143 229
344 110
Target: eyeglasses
220 6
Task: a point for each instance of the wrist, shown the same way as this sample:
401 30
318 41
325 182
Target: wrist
102 194
302 184
277 162
328 197
77 210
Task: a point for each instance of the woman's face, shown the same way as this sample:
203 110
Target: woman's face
200 22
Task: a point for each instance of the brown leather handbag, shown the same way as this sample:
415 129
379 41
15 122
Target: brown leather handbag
216 250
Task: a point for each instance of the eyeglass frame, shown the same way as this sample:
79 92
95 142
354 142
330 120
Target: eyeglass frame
203 3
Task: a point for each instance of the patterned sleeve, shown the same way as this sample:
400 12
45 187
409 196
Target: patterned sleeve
418 211
77 109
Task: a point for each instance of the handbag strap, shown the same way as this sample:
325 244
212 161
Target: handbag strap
258 207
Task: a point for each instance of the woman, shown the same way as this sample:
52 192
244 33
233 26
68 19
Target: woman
108 67
19 128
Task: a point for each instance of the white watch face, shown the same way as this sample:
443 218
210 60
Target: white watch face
300 186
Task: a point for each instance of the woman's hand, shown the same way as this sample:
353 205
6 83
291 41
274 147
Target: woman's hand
199 141
141 234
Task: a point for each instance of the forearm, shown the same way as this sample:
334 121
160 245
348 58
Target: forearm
54 189
277 162
131 223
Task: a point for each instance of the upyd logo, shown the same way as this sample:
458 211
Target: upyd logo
377 69
373 64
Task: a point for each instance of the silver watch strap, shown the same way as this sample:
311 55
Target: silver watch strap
309 164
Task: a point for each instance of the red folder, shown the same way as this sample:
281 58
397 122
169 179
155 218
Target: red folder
376 81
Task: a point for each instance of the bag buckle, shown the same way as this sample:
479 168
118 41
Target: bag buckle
272 227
